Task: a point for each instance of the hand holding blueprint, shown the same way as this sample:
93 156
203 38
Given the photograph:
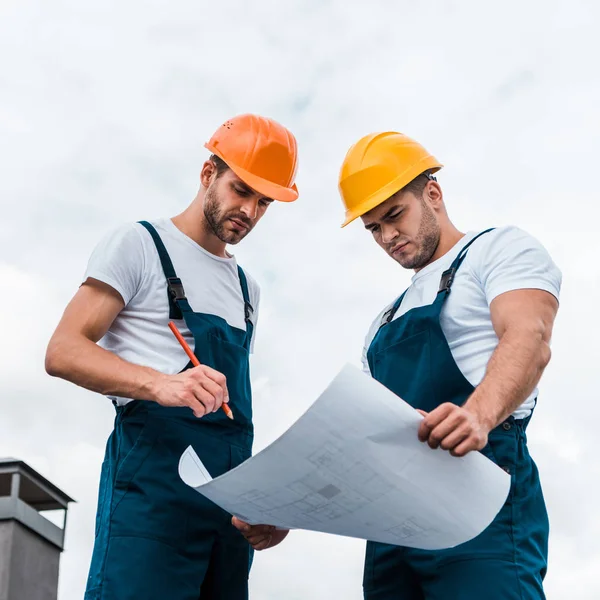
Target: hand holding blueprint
352 465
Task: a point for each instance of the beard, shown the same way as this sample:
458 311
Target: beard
426 241
216 219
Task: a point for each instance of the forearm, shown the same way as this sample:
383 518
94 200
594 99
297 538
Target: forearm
512 373
81 361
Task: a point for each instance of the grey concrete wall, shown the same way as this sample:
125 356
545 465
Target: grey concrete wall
6 530
32 564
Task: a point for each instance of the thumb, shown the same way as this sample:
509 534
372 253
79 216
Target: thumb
421 412
239 524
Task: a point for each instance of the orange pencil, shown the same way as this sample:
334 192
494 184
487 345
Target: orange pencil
194 360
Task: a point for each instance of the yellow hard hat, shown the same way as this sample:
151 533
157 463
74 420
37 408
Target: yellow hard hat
378 166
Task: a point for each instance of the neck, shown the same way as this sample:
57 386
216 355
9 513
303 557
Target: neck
449 237
193 223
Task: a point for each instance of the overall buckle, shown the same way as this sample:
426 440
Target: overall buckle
248 311
176 288
447 280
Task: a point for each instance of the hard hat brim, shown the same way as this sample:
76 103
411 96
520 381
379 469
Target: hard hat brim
262 186
387 192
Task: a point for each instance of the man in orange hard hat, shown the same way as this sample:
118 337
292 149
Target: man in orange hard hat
156 538
466 345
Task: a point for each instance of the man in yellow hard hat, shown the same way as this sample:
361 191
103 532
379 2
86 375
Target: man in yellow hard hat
156 538
466 345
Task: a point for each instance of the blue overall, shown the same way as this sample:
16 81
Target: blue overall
410 356
157 538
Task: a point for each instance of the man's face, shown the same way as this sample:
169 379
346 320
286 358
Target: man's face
406 227
232 208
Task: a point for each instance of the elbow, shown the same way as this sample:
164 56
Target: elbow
542 344
545 355
53 362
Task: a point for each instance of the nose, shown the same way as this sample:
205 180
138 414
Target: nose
388 233
250 208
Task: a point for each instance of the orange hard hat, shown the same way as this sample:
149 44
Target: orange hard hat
261 152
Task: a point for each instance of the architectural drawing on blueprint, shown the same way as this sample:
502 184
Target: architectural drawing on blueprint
354 468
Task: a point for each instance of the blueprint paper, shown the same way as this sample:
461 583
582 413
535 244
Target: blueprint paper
352 465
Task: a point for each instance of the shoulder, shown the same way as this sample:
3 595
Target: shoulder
511 258
505 240
119 260
126 235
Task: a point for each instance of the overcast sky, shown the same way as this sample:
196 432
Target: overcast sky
104 109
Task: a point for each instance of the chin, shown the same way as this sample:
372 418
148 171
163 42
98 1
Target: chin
232 239
405 263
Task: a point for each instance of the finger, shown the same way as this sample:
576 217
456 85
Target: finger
219 379
190 400
215 391
205 398
421 412
433 419
451 441
257 539
466 446
262 545
451 423
240 525
260 530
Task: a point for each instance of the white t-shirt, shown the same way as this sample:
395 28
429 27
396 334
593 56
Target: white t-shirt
504 259
127 260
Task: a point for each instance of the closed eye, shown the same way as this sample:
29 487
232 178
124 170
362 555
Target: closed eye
393 216
241 191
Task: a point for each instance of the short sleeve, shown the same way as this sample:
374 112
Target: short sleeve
512 260
254 294
119 261
365 363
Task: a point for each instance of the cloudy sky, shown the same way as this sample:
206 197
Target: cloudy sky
104 109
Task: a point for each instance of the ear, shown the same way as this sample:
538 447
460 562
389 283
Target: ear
208 173
433 193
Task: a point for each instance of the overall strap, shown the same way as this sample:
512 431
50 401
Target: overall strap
388 315
445 282
448 276
248 310
178 303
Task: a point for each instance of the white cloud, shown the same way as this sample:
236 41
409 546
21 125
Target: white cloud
104 108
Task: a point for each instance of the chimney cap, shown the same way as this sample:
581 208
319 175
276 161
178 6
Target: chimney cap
35 489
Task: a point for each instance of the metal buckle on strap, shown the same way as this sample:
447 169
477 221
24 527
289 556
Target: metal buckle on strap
248 311
387 316
176 288
446 280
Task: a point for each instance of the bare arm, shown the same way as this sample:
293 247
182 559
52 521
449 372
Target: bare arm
74 355
523 321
